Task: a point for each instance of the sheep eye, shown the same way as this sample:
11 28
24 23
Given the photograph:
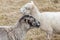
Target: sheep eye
28 21
25 20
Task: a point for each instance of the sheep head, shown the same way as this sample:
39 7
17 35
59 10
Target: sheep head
31 21
27 8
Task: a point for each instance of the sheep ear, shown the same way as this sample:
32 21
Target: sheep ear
21 10
32 2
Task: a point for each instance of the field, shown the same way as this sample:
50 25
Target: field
9 14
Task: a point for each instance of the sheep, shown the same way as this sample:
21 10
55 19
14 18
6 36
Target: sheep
49 21
18 32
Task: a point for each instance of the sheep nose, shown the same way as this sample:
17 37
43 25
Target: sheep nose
38 25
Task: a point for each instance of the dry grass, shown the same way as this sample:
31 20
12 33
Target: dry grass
9 14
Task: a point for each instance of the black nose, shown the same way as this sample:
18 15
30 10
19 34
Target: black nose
38 25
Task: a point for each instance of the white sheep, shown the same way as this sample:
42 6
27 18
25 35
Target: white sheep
49 21
20 29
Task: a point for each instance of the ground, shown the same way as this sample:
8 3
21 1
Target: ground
9 14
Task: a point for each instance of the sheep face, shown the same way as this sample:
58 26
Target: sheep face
27 8
30 20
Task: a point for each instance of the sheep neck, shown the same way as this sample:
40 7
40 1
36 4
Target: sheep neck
20 31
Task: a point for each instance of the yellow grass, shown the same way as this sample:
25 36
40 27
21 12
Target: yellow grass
9 14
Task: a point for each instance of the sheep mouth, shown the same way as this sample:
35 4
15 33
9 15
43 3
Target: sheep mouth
36 25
